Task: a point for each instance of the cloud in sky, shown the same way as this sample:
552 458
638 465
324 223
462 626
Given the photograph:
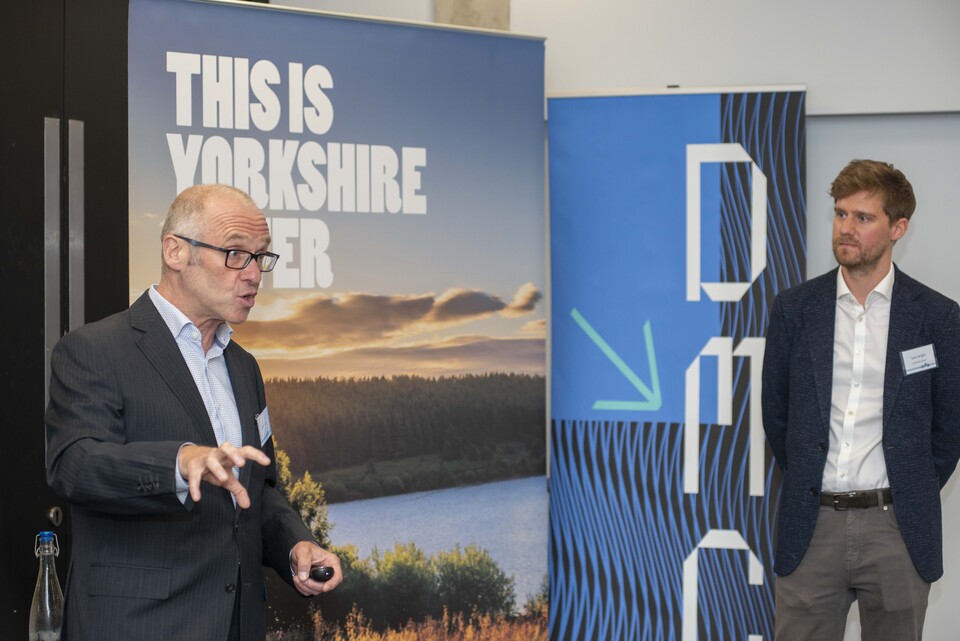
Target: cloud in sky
325 321
535 328
357 320
524 301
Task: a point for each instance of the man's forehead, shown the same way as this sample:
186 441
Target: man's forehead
861 201
231 210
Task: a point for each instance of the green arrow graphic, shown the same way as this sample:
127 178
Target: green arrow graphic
654 399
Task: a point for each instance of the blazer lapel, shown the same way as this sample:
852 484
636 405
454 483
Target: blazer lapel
906 322
245 395
160 348
819 319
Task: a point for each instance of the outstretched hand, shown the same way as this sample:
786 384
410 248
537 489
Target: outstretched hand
215 466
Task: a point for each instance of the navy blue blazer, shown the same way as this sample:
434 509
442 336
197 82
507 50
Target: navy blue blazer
144 565
921 412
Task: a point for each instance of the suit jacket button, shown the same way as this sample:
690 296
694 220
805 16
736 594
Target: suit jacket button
813 491
229 588
821 446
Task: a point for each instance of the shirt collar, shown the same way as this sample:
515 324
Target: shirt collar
177 321
884 287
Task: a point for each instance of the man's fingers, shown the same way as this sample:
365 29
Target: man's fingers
235 487
194 481
240 455
215 465
248 452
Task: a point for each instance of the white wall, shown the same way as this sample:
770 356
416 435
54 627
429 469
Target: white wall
417 10
855 57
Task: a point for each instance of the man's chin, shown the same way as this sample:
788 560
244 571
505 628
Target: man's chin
844 261
239 316
858 265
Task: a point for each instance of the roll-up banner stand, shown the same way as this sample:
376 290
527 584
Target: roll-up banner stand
402 334
675 218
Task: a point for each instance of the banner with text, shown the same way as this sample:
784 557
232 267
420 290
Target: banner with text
675 219
402 333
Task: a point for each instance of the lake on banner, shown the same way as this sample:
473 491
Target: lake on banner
508 519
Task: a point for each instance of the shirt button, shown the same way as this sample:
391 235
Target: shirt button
856 384
850 413
859 319
846 444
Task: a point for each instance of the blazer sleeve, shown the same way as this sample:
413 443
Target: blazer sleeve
89 460
775 390
946 397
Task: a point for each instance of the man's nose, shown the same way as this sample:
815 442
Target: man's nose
252 272
846 226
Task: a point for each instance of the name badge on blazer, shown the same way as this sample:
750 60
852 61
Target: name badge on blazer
918 359
263 426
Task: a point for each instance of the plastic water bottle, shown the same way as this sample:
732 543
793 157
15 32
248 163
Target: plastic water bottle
46 611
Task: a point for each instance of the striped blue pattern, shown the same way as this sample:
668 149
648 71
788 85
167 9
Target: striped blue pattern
620 523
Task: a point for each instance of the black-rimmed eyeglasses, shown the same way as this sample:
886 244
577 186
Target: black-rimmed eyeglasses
239 258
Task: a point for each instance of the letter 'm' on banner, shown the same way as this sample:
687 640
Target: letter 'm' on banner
722 348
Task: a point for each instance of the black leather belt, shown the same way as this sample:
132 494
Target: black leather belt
857 500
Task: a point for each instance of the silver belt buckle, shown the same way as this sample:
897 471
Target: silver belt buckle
836 500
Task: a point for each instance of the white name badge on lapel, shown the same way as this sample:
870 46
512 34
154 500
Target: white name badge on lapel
918 359
263 426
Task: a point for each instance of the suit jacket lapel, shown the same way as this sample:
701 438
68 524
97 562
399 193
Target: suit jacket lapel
245 395
819 324
160 348
906 321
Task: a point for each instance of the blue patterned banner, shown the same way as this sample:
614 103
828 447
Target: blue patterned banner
675 219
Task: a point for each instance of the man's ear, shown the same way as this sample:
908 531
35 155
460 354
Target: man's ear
175 253
898 229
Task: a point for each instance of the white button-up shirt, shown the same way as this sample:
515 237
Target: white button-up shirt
855 458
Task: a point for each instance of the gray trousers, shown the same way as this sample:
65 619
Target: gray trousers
854 555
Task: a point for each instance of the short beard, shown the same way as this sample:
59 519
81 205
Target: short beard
861 262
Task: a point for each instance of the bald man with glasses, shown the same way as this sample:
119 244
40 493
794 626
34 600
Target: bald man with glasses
158 435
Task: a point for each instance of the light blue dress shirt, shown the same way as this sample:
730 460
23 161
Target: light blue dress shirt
209 371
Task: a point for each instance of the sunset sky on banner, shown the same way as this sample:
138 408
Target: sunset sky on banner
450 282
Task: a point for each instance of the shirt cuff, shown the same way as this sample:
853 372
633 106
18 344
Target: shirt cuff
181 485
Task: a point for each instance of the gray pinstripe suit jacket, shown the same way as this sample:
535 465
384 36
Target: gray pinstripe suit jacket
144 566
921 412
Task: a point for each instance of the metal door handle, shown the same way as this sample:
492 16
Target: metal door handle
51 243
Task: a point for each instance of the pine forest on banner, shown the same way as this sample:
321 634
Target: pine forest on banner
369 437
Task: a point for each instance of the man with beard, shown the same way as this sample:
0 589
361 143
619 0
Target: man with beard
864 427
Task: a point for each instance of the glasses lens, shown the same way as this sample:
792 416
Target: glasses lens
238 259
266 262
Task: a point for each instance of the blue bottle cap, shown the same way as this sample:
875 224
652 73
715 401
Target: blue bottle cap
46 537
